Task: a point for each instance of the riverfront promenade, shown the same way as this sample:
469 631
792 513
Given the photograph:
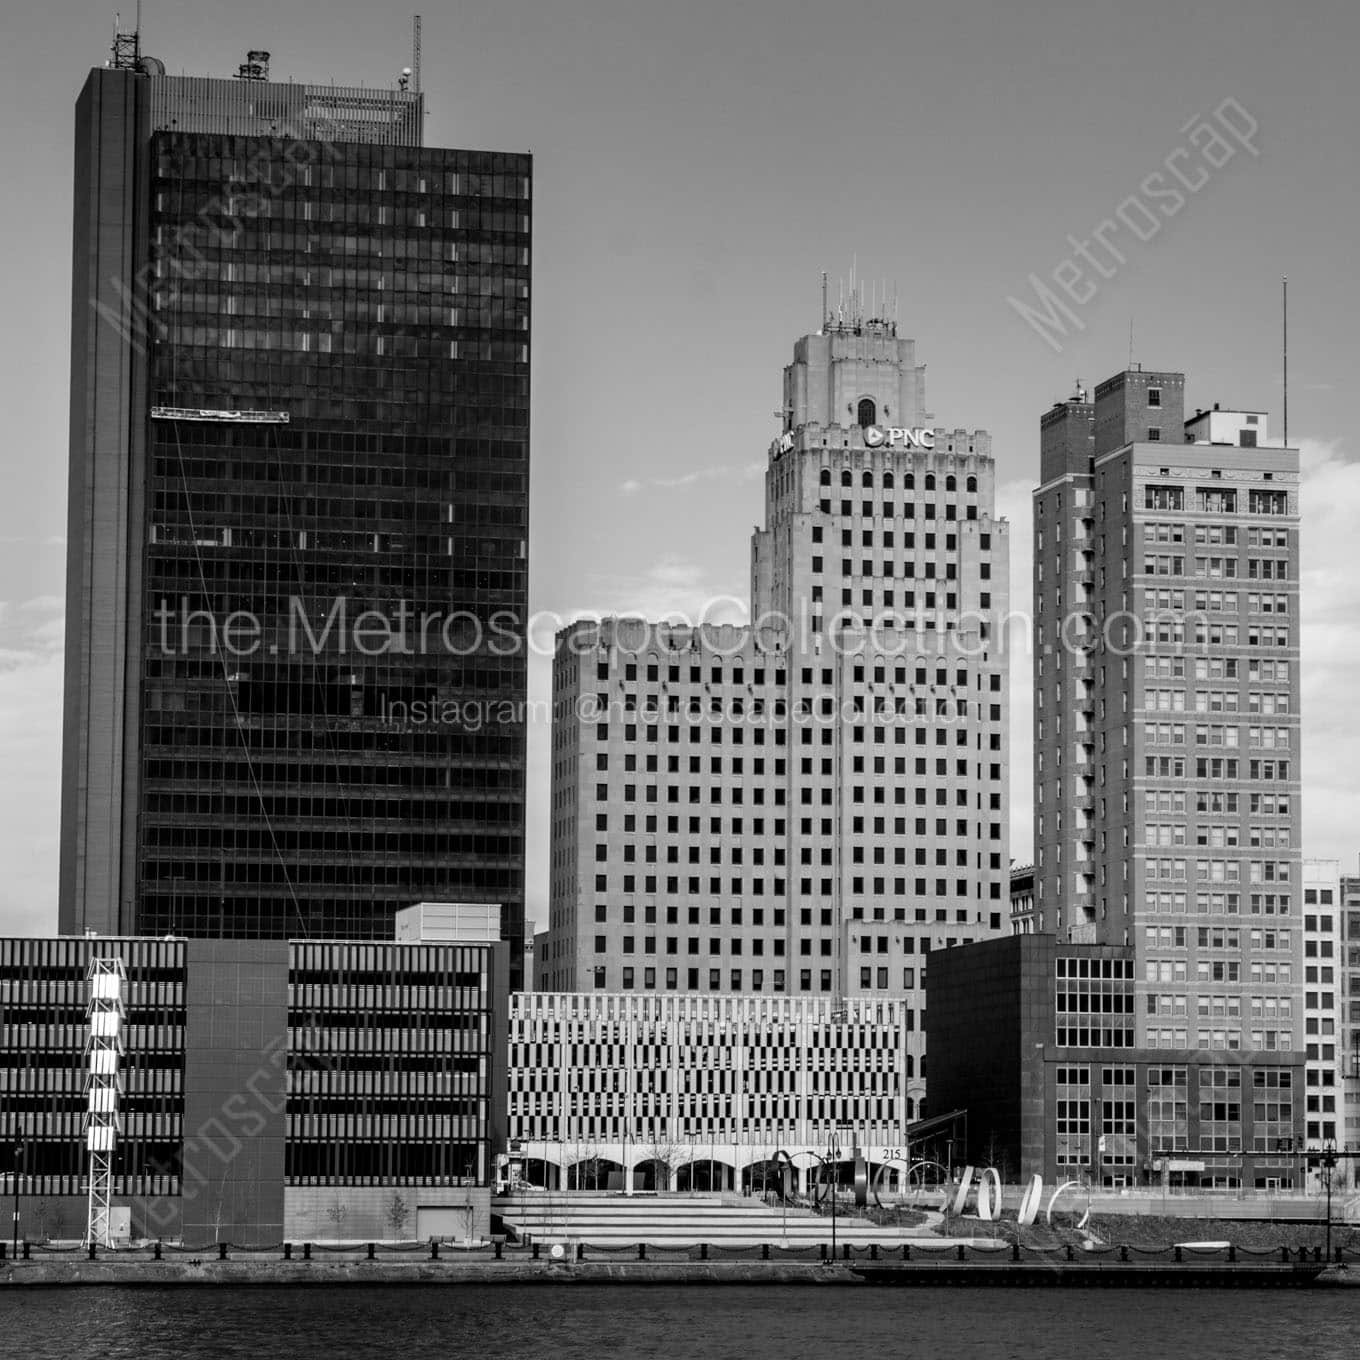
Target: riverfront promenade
943 1261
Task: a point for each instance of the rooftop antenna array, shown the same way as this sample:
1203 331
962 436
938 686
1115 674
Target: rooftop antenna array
127 47
856 308
1284 324
415 53
254 67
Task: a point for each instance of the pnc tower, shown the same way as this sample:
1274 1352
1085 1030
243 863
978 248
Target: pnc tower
810 804
299 417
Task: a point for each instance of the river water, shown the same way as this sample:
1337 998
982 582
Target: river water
592 1322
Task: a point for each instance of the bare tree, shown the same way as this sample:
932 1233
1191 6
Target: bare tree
337 1214
997 1157
664 1153
398 1211
219 1206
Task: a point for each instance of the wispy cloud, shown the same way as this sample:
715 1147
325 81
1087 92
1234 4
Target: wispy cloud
1330 647
44 604
744 472
30 631
30 738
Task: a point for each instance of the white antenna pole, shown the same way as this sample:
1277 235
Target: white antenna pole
1284 284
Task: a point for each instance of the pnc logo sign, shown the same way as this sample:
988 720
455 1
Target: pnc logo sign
875 436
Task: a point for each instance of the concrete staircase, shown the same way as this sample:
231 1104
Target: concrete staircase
616 1220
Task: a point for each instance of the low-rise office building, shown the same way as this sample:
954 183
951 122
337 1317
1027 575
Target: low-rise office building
709 1091
271 1090
1037 1038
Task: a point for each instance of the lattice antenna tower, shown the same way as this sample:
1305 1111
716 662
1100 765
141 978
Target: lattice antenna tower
127 47
107 1017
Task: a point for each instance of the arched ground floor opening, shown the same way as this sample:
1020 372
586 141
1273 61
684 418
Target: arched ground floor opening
593 1173
704 1175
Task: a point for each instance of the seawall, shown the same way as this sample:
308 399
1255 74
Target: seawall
1106 1273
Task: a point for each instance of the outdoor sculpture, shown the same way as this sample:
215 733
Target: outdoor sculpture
989 1196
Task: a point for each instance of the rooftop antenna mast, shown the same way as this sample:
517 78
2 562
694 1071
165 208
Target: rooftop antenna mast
1284 323
824 299
415 53
127 47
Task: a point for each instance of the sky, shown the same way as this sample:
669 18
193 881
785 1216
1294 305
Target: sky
697 167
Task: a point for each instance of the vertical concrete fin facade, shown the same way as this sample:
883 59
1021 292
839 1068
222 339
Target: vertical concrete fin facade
109 318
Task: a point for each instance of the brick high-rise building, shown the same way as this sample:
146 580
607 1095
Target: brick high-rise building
1166 693
298 511
811 804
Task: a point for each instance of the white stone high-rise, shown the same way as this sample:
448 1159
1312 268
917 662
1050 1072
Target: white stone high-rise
810 804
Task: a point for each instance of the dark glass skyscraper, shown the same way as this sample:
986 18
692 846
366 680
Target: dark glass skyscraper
299 513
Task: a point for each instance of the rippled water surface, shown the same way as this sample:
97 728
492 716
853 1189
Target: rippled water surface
744 1322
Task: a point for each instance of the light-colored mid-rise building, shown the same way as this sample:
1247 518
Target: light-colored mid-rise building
1348 1041
700 1091
1022 900
1166 692
1323 1002
808 805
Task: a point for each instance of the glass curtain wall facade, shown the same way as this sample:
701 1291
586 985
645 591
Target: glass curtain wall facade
324 761
299 518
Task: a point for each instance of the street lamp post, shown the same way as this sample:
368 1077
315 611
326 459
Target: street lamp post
18 1159
1328 1163
833 1152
